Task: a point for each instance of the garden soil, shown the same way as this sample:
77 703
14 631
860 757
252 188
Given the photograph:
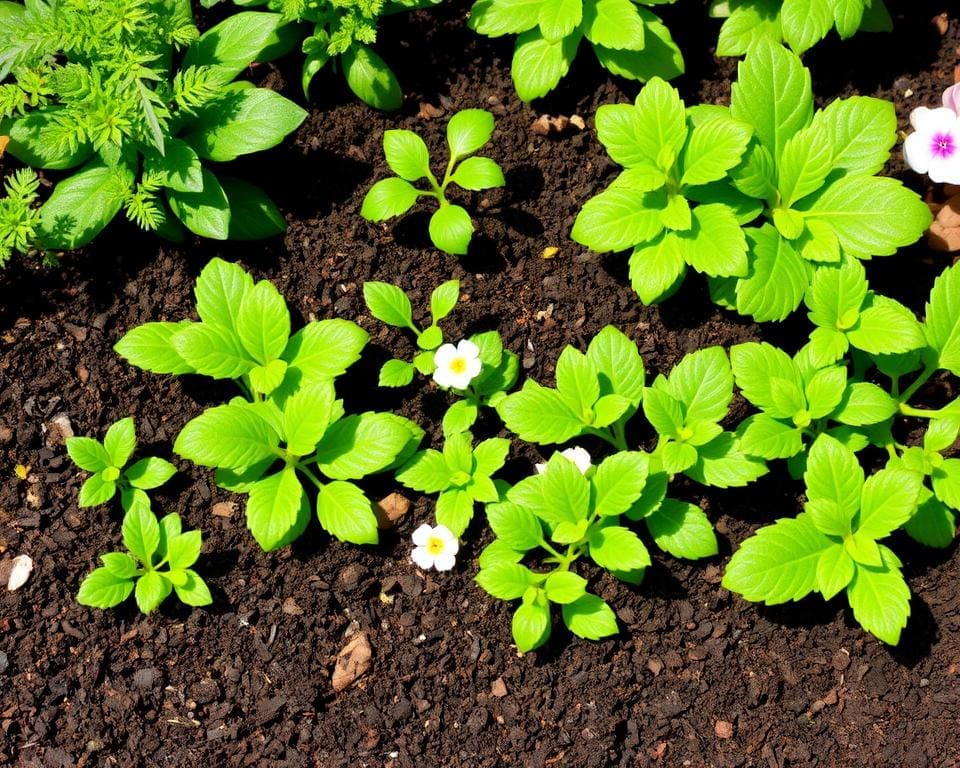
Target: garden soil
696 677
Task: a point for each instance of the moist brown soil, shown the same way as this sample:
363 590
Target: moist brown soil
697 677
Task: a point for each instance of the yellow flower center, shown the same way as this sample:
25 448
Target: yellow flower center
435 545
458 365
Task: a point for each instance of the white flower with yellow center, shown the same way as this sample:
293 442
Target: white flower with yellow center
457 365
435 548
577 455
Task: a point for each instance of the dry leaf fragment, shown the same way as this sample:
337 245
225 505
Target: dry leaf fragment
942 22
353 662
4 140
549 252
390 509
20 572
428 112
944 232
224 508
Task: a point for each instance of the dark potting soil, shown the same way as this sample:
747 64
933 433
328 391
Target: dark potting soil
697 677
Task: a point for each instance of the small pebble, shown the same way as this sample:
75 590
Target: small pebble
723 729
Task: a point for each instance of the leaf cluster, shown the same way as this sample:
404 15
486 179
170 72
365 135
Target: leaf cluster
290 426
133 101
407 156
628 39
19 215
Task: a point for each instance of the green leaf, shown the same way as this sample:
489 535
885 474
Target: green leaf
426 472
230 436
872 216
455 510
933 524
263 322
538 65
660 128
577 382
220 289
530 626
566 492
396 373
590 617
659 57
151 590
177 168
451 229
722 463
683 530
265 379
863 549
443 299
836 294
34 140
564 587
459 417
498 552
477 173
618 482
539 415
806 160
755 367
88 454
346 513
559 18
468 130
103 589
805 22
657 268
773 94
746 25
833 475
825 390
777 280
490 455
184 550
431 338
234 43
141 534
865 403
861 130
616 219
306 415
212 350
325 349
150 472
514 526
942 322
149 346
205 213
886 327
360 445
618 363
119 564
388 198
277 509
370 78
889 499
617 549
495 18
712 149
613 24
253 215
835 570
763 436
778 563
407 155
703 382
880 600
506 581
96 490
193 591
83 204
241 122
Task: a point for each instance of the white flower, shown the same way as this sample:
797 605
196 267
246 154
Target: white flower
577 455
951 98
934 147
435 548
457 365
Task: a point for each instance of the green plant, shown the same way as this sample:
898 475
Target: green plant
19 216
566 514
799 23
834 544
108 463
450 226
669 204
99 88
150 545
290 424
809 176
344 31
461 475
628 39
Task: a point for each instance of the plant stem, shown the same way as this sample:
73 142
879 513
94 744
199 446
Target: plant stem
927 372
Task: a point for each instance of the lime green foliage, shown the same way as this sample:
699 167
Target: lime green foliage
131 98
151 545
19 216
289 427
450 226
801 24
108 463
628 40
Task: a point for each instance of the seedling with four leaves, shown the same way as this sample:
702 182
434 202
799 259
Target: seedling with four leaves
450 226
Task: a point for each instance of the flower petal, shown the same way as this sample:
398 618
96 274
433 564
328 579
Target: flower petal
541 468
444 561
444 355
474 366
916 152
951 98
468 349
422 535
578 456
422 557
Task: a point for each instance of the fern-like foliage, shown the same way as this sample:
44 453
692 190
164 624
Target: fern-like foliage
19 216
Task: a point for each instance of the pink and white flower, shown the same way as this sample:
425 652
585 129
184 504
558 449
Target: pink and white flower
435 548
934 146
951 98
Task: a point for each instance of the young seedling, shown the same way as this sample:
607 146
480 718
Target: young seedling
137 136
568 513
627 39
834 544
799 23
461 474
450 226
108 463
150 545
19 215
290 426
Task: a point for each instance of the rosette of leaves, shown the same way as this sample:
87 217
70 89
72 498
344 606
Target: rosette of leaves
834 545
151 545
450 228
134 103
598 393
800 24
107 461
563 516
290 426
628 39
344 31
669 206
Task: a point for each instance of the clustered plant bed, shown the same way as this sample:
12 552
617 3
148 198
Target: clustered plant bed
277 618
